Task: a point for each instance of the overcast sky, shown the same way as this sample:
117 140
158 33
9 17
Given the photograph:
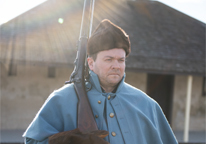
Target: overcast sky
193 8
9 9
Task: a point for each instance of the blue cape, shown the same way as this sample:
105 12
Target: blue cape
138 119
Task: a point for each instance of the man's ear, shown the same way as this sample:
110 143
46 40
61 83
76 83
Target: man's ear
90 63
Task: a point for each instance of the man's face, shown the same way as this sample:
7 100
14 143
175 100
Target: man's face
109 66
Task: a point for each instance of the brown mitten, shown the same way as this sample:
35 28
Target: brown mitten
77 137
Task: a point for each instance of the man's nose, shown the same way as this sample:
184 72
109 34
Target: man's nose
115 64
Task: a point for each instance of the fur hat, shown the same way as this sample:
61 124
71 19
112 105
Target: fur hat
108 36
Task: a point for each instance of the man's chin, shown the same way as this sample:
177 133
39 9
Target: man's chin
114 80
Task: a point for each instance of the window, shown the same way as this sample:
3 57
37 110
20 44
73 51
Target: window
12 69
51 72
204 87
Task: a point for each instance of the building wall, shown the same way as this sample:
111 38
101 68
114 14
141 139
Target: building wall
23 95
198 104
137 80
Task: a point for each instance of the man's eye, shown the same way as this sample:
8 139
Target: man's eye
121 60
108 59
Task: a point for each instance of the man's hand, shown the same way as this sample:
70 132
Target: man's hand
77 137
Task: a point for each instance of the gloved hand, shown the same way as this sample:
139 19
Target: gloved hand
77 137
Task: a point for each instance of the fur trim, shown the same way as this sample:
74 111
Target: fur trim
108 36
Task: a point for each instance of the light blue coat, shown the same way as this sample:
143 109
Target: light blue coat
138 119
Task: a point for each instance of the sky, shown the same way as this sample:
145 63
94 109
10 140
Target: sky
193 8
10 9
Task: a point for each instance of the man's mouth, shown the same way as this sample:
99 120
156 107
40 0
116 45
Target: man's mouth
114 74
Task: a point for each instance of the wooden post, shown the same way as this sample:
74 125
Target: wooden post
187 110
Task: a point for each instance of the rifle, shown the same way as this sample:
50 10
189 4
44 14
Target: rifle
85 118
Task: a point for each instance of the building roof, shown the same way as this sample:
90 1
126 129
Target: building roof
163 39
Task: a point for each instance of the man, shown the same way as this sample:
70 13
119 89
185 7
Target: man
128 114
